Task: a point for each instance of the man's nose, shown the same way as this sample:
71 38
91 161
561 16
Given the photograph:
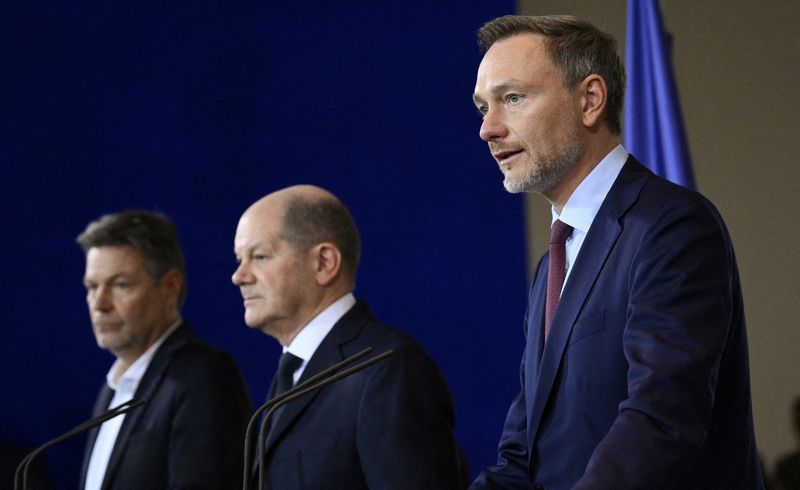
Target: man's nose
100 299
492 127
241 275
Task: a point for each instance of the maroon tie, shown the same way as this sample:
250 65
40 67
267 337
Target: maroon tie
556 270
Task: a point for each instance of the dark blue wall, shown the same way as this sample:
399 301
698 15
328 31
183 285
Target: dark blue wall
197 110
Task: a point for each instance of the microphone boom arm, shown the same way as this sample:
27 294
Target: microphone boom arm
22 469
303 390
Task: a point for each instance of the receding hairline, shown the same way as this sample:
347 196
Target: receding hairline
283 199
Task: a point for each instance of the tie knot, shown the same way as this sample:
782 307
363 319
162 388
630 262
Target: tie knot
560 232
289 363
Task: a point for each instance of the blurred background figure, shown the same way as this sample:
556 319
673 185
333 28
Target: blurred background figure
787 472
189 434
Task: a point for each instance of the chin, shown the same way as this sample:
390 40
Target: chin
518 185
251 322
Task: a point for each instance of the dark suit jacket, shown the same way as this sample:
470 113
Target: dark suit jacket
190 433
644 381
389 426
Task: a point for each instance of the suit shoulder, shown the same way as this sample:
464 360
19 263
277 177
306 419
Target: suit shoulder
663 205
197 359
383 336
659 193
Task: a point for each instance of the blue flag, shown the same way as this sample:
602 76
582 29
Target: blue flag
654 130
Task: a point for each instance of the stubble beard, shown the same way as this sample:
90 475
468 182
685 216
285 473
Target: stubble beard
117 344
545 172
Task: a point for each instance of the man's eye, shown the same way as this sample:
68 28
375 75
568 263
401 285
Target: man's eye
513 98
121 285
260 257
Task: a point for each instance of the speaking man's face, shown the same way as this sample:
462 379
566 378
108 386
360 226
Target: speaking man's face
530 119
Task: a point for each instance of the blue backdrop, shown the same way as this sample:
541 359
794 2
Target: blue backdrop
197 110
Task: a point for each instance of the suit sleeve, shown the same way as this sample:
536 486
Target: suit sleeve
405 425
680 286
212 408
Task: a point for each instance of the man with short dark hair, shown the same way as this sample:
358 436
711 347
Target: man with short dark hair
189 433
635 369
389 426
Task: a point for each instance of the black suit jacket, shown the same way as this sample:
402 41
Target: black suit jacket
190 432
389 426
644 379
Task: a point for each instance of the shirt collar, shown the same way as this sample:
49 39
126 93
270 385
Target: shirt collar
128 380
305 343
584 203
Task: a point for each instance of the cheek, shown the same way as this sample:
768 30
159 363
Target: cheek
135 309
530 133
125 312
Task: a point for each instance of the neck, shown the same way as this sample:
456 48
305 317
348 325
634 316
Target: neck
329 296
128 357
596 149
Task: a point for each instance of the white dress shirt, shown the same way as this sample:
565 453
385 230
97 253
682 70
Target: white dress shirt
124 383
584 203
305 343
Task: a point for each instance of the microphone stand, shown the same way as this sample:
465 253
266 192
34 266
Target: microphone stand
22 469
302 391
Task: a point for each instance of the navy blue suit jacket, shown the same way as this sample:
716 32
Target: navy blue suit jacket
389 426
190 433
644 380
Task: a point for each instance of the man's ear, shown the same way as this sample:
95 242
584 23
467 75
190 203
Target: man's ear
594 95
170 284
328 262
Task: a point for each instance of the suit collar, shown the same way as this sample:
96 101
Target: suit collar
600 240
334 348
308 339
583 205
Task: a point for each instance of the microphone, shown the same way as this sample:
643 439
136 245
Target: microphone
320 375
21 474
316 382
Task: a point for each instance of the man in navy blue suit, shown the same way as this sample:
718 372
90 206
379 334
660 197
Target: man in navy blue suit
389 426
635 370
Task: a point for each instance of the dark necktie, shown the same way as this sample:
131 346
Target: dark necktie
556 270
284 380
288 364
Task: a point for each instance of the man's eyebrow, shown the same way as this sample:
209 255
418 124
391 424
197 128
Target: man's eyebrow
248 248
502 87
114 277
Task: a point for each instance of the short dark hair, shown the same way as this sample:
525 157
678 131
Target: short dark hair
308 221
576 47
152 234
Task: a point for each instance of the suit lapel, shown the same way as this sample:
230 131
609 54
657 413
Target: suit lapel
100 406
146 391
597 246
329 352
535 322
